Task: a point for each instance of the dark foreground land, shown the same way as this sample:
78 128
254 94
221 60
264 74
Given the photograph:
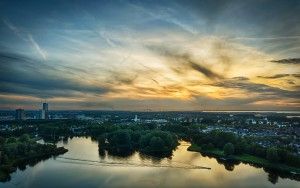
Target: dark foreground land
17 152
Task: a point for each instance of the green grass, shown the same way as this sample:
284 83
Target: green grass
253 159
263 162
194 147
246 158
215 152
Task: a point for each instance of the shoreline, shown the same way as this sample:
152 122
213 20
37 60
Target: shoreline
245 158
6 170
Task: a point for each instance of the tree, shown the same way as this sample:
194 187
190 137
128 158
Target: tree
240 146
21 149
24 138
2 140
120 142
101 140
210 146
228 149
11 140
272 154
292 160
260 151
158 143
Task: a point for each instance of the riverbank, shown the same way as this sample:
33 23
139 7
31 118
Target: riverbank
245 158
10 167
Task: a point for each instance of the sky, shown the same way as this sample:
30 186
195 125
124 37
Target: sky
150 55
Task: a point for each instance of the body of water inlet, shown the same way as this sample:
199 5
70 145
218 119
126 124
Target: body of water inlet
83 166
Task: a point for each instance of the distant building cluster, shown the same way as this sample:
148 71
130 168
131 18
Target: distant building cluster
44 113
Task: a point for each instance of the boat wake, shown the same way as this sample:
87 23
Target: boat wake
126 164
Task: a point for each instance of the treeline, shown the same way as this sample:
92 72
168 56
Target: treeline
15 151
43 127
126 141
231 144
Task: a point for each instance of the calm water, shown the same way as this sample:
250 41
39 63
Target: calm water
83 167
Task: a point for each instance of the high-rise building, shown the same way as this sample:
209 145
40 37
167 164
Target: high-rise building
44 112
20 114
45 106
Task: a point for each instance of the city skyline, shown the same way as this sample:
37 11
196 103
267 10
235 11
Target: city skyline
156 55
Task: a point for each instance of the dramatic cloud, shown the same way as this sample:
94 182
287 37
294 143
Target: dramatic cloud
181 63
21 75
159 55
263 90
208 73
288 61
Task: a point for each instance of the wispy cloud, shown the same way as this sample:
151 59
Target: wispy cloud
27 37
37 47
165 14
12 27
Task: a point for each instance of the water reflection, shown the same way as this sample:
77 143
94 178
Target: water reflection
86 166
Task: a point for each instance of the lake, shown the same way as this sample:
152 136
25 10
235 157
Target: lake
82 166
